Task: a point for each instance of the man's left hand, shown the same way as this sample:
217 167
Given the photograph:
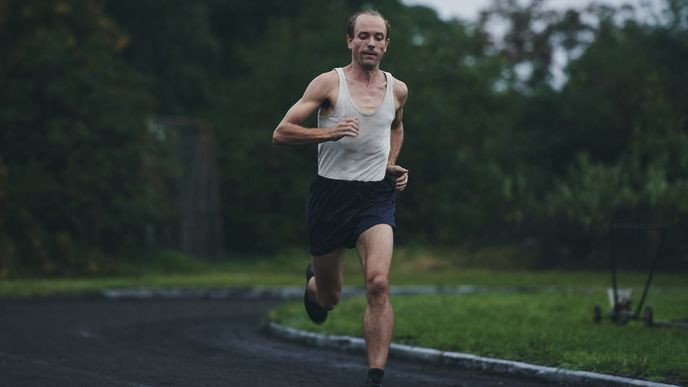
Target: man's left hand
398 175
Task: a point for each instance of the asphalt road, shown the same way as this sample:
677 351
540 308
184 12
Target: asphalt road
98 342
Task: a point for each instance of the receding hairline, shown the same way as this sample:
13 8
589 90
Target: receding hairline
371 12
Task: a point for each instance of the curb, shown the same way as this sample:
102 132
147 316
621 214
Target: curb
464 360
277 293
282 293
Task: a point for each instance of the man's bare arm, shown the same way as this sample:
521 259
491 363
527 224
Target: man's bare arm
398 173
290 130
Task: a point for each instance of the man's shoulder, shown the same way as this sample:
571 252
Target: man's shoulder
400 89
328 79
324 83
399 85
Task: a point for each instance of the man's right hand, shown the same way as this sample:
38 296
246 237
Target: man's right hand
348 127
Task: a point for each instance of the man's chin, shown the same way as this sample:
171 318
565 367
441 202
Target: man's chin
369 65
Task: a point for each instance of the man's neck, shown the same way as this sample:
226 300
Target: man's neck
360 74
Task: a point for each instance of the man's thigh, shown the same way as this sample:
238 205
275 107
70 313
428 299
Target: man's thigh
328 270
375 247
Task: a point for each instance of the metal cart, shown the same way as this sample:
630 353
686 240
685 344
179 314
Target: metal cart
620 299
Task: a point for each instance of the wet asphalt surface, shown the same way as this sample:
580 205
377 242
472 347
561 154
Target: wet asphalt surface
95 342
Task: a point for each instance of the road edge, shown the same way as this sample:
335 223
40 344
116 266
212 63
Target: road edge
463 360
422 354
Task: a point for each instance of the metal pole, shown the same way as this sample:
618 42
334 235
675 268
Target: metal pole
615 310
662 237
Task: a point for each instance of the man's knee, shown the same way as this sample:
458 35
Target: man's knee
329 300
377 286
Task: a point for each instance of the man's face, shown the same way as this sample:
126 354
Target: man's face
369 43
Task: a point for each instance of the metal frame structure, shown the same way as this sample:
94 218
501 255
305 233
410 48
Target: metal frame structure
618 313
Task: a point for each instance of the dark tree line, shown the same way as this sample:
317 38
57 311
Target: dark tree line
498 153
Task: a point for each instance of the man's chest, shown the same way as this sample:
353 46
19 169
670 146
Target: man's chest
367 98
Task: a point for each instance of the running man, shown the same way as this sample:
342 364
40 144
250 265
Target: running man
352 198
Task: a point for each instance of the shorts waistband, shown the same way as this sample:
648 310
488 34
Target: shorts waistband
352 182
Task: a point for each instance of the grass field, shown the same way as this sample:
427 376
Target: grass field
541 317
547 320
547 328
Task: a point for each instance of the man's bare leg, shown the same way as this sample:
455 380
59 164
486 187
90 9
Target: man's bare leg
326 287
375 247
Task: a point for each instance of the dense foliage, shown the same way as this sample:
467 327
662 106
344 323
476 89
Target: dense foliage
500 148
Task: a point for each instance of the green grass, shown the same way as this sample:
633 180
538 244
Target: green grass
550 323
164 271
411 266
220 276
547 328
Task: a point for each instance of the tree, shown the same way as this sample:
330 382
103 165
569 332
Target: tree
626 124
73 132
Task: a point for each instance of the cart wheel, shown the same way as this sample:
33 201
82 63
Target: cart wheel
597 313
648 317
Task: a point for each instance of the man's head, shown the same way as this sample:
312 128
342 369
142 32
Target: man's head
368 38
371 12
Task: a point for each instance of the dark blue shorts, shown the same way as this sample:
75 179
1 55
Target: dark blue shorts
339 211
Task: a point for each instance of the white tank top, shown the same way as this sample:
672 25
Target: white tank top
361 158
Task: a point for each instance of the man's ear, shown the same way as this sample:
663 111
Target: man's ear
349 39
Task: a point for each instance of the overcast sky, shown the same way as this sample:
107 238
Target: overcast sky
469 9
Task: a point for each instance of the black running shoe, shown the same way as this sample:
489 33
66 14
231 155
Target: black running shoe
315 312
371 383
375 376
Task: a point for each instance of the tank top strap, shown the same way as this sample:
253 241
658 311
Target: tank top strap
390 90
343 94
